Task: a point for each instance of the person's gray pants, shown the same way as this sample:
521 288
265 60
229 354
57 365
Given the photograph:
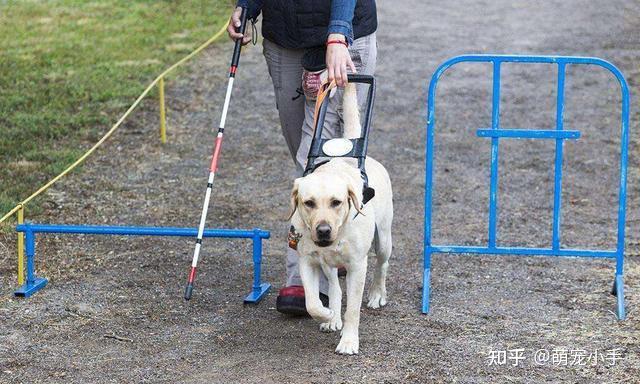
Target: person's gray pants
296 113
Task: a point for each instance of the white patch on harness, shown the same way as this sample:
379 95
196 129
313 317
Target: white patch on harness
337 147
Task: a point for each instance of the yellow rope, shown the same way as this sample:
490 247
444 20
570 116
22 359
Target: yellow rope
116 125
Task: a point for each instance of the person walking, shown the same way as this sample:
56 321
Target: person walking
304 41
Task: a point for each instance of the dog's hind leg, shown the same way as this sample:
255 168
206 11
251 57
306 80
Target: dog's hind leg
335 300
383 245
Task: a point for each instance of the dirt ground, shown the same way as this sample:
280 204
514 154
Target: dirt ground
132 287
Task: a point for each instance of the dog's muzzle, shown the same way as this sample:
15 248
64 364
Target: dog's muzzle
323 234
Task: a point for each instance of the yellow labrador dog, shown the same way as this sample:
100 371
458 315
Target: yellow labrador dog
335 231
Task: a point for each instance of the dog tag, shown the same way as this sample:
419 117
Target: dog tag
337 147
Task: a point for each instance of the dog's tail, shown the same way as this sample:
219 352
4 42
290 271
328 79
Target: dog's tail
351 114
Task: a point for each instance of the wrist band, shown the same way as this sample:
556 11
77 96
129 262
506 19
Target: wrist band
338 42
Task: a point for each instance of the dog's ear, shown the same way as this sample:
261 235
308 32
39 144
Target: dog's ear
294 199
353 198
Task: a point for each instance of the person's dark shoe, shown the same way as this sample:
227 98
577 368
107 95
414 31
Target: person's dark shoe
291 301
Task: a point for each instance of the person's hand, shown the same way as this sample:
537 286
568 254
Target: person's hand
234 22
338 60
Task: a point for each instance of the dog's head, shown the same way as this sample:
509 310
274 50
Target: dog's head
322 201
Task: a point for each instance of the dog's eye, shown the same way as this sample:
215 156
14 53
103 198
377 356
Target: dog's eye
335 203
310 204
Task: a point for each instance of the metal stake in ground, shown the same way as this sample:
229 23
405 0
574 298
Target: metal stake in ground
216 153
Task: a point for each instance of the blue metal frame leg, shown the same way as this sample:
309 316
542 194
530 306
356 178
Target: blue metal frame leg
259 289
426 280
618 291
426 289
34 283
257 293
29 288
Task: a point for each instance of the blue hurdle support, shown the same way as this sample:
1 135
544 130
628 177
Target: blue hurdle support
34 283
496 133
259 289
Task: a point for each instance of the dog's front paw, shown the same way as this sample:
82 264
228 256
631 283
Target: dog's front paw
348 345
377 299
335 324
321 314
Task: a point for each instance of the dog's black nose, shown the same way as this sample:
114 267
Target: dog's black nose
323 231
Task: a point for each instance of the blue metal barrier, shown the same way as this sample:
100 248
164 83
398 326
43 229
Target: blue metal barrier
559 135
35 283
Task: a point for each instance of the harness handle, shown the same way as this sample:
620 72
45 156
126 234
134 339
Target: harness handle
360 145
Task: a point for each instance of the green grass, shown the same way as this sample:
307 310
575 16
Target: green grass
69 69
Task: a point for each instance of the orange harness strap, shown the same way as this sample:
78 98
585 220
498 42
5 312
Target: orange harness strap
325 89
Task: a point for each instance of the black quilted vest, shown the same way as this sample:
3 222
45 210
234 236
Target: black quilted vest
298 24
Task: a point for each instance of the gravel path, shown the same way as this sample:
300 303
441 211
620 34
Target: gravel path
131 288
